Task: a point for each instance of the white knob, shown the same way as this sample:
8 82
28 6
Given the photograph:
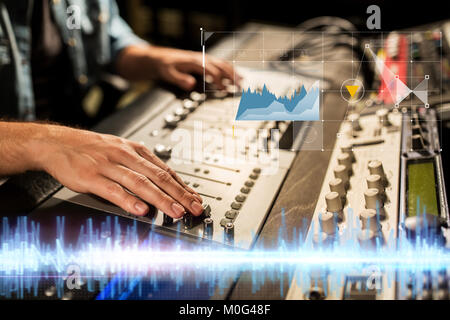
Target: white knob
376 167
334 202
354 118
347 147
341 172
328 222
382 115
345 160
373 199
370 220
336 185
367 239
374 181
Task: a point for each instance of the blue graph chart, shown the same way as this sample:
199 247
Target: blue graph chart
303 105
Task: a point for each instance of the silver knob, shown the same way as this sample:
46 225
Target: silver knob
162 151
197 97
181 112
190 105
171 120
229 233
334 202
370 220
328 222
373 199
336 185
341 172
208 227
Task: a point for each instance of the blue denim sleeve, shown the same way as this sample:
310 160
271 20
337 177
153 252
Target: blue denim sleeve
120 33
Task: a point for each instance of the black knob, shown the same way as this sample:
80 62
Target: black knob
188 220
167 219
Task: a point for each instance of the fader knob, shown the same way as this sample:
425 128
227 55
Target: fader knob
341 172
188 220
382 115
208 227
374 181
345 160
376 167
334 202
167 219
328 222
337 185
162 151
373 199
354 118
370 220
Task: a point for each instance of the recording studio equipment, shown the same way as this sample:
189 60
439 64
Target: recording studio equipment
384 158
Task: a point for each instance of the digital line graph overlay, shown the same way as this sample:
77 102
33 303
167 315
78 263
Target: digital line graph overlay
301 106
418 83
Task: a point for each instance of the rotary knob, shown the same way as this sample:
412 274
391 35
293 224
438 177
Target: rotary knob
190 105
382 115
374 181
341 172
171 120
376 167
348 148
370 220
345 160
162 151
181 112
373 199
367 239
334 202
354 118
328 222
336 185
208 227
197 97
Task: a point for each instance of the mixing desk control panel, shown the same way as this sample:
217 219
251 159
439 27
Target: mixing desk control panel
236 167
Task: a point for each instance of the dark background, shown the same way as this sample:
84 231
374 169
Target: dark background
177 23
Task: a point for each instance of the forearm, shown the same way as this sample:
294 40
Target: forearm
137 63
19 146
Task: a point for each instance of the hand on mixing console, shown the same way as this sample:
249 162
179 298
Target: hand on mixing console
104 165
173 65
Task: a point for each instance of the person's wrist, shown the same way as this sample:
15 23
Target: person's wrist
39 146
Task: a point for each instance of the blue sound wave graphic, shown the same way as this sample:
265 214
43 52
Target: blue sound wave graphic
301 106
138 267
